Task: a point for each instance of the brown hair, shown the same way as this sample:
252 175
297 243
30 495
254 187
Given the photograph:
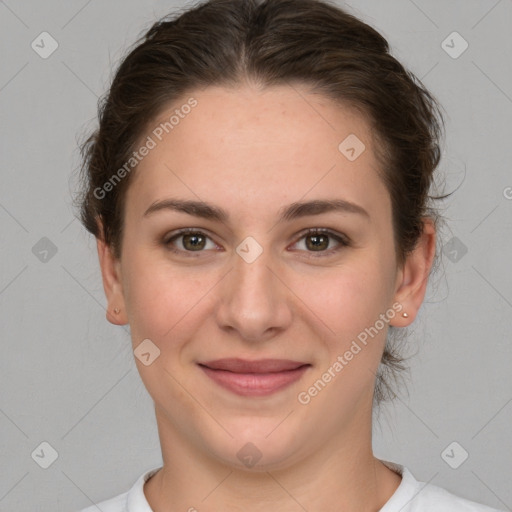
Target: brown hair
271 42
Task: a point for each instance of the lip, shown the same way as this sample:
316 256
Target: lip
254 378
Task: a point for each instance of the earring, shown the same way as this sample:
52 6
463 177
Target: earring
405 315
116 311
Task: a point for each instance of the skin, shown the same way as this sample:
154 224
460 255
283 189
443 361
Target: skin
251 152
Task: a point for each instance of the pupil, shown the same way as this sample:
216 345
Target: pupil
318 241
196 241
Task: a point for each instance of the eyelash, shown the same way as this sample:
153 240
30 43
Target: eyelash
342 241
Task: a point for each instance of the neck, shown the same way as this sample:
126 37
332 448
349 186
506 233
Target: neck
343 475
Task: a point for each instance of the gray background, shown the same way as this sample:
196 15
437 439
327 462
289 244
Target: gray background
68 377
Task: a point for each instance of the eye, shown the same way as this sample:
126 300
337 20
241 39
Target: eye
189 240
321 240
314 240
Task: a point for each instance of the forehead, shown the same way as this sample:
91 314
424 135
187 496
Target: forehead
261 147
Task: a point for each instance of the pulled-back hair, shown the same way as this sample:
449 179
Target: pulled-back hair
270 43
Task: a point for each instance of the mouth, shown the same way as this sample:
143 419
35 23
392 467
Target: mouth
254 378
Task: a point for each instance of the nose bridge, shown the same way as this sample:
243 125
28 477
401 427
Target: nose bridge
254 302
253 276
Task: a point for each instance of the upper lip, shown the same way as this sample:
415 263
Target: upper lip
236 365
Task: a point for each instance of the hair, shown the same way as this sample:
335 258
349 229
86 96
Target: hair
269 43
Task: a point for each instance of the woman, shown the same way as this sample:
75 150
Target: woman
259 191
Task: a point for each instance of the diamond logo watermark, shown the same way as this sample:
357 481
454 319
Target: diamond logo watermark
146 352
45 455
454 455
454 45
249 249
44 250
249 455
351 147
454 249
44 45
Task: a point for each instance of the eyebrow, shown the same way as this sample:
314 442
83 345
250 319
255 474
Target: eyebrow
287 213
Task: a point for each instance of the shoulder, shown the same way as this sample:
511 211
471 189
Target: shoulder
436 499
415 496
116 504
132 500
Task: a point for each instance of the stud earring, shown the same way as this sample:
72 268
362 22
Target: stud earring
405 315
116 311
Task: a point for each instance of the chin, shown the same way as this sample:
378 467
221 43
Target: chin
257 444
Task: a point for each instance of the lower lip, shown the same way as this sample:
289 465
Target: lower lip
254 384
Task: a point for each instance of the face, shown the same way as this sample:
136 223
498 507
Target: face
260 331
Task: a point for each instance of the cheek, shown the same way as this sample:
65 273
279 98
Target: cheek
148 292
350 305
350 295
162 299
347 303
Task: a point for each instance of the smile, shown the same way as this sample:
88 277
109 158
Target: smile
254 378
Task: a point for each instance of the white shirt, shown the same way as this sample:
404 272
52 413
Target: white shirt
410 496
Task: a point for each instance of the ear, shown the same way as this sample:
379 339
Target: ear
412 278
112 284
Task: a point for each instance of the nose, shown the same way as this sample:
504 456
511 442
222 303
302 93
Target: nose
254 303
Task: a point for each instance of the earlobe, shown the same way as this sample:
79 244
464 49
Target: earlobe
112 284
114 317
412 280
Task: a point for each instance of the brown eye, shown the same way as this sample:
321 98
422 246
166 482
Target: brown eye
321 241
317 242
194 242
188 241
